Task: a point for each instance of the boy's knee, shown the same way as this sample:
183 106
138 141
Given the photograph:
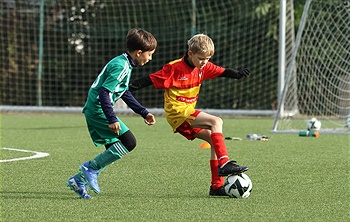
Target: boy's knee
218 121
128 140
130 144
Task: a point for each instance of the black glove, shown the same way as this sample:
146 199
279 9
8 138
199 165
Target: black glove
241 73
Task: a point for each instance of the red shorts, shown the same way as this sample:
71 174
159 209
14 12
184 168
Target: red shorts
187 130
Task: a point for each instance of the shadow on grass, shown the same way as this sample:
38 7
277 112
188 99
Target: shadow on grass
70 195
43 128
63 195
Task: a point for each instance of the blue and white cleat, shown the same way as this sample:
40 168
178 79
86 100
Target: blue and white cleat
78 185
90 176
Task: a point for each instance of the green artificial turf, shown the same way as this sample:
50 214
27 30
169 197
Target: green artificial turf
167 178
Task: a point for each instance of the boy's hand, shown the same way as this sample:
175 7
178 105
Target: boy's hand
115 127
242 73
150 120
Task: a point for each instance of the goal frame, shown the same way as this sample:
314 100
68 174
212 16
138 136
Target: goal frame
288 77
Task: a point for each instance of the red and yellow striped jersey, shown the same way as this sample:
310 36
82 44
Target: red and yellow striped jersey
182 84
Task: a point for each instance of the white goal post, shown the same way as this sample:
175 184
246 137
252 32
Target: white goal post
317 80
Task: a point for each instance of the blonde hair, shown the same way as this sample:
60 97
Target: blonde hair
202 44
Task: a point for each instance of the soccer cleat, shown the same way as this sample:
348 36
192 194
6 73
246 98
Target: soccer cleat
79 186
218 192
231 168
90 176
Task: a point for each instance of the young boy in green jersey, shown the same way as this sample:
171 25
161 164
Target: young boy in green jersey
105 128
181 80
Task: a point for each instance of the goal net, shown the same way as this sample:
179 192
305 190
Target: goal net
318 74
52 50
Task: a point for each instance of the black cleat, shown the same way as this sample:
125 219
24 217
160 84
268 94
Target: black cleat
231 168
217 192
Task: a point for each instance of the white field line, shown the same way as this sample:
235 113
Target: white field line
36 155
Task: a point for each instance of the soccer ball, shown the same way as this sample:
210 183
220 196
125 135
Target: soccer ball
313 124
238 186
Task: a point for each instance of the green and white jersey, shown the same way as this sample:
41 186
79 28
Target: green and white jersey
115 77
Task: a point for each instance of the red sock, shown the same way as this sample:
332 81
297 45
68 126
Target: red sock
216 180
217 139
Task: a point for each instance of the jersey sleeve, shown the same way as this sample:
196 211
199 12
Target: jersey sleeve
162 79
135 105
106 106
212 71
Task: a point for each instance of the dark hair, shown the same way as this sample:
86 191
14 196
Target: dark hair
139 39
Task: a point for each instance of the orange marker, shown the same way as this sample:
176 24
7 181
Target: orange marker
204 145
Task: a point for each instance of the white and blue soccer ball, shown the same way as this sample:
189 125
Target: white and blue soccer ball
238 186
313 124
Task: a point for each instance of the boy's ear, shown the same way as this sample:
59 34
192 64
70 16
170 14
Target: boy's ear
138 53
190 53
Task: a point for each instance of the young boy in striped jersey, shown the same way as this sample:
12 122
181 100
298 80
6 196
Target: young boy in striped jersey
182 79
105 128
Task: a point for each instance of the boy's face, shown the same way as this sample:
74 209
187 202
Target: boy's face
199 60
143 57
